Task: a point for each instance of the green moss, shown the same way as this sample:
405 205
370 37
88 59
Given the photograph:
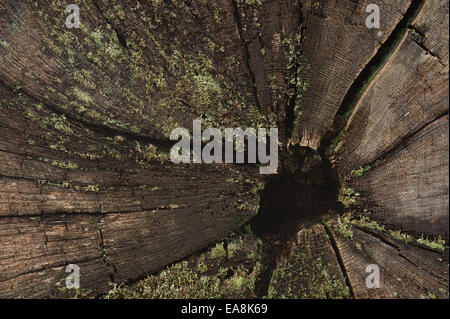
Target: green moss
92 188
431 296
182 281
179 281
348 197
58 147
335 145
104 254
208 275
145 153
65 184
345 222
4 44
344 226
302 277
250 2
150 188
360 171
444 292
62 184
56 163
120 292
299 70
84 78
75 293
82 96
218 251
366 222
437 243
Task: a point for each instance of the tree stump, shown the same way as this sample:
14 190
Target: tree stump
86 115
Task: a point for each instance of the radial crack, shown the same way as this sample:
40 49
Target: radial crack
111 268
404 141
372 68
164 144
246 52
119 35
339 258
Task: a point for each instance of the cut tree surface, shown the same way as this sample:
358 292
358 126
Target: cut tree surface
409 189
336 47
406 271
410 91
86 115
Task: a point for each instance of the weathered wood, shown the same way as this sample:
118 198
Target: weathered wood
337 45
401 112
86 114
268 32
310 270
409 190
76 71
406 271
409 92
81 183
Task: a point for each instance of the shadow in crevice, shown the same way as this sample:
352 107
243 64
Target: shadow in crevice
296 198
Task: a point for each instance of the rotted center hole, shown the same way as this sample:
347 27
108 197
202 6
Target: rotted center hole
305 189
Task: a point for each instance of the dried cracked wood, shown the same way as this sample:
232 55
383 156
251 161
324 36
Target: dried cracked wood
85 116
313 266
410 91
406 271
84 173
336 47
410 188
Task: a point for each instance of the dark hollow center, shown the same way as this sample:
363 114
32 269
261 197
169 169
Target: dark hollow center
305 189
